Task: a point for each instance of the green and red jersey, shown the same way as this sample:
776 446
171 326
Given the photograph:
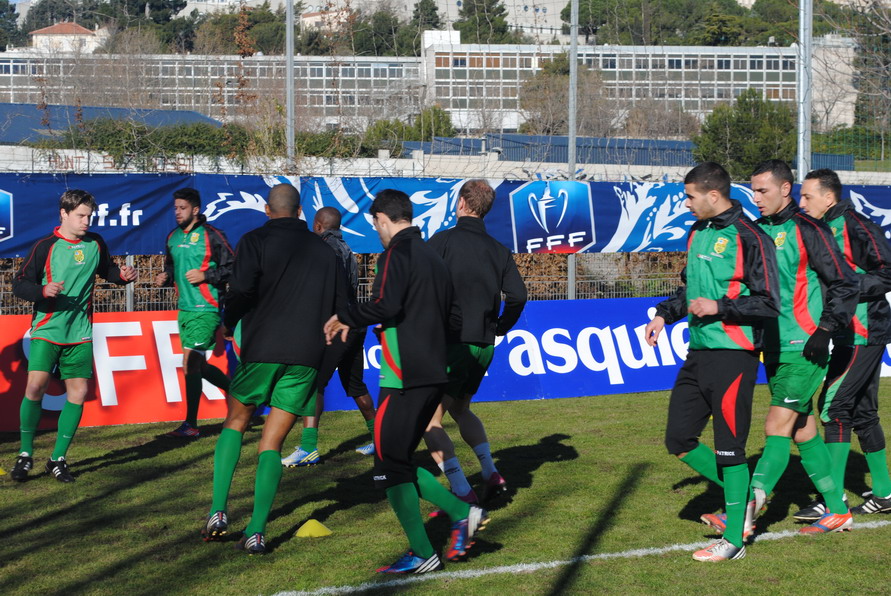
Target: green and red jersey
731 261
205 248
817 287
868 253
66 318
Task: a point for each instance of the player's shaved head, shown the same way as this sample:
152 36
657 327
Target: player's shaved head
328 218
283 200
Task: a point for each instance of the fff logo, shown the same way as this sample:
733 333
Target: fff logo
556 217
5 215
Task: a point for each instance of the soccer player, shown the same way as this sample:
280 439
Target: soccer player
482 269
819 293
849 399
284 286
347 357
412 300
731 291
58 276
199 261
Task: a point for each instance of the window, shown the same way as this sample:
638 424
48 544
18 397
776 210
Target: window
459 62
756 62
675 63
642 63
723 63
788 64
773 63
608 62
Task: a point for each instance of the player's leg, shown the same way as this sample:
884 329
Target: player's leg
351 369
443 452
30 410
871 435
293 393
197 333
688 413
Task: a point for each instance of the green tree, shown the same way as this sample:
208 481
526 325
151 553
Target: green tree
426 16
432 122
9 29
48 12
742 135
485 21
376 35
719 29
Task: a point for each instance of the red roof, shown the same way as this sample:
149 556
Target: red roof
63 29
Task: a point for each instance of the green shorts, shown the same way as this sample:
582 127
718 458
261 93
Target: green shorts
75 360
468 364
288 387
198 330
793 380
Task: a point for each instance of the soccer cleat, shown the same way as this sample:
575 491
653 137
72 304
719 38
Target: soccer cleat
469 498
216 527
722 550
812 512
185 431
760 501
495 485
366 449
409 563
255 544
830 522
59 469
873 505
301 458
23 465
718 522
463 532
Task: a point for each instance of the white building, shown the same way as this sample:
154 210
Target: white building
67 38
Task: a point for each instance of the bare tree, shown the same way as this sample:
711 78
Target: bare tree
665 119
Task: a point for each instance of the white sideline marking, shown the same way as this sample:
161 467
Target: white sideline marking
532 567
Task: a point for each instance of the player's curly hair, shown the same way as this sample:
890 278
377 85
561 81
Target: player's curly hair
478 196
72 199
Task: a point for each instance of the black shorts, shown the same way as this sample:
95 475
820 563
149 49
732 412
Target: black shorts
716 383
850 395
348 358
402 417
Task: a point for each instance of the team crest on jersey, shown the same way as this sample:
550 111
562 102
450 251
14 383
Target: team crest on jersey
780 239
194 237
721 245
79 255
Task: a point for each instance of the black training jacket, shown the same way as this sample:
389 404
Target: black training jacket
285 285
867 251
482 269
411 297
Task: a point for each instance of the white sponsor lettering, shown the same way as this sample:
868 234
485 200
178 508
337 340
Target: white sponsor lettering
106 365
125 217
170 358
552 242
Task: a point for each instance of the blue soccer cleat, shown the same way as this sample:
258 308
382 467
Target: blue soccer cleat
463 532
301 458
366 449
409 563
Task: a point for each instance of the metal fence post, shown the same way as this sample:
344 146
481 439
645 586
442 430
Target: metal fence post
570 269
129 289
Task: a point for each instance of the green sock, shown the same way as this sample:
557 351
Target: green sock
193 398
838 458
431 490
736 487
878 469
309 440
404 501
68 421
773 462
702 460
29 416
818 465
225 459
216 376
369 424
269 474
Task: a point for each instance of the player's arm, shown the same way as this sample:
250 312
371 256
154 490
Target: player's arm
107 270
760 275
387 292
872 253
514 291
244 281
27 282
841 284
674 308
221 252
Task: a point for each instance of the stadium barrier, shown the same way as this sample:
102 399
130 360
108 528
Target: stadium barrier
558 349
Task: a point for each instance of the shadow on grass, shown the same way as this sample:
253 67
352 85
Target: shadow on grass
607 517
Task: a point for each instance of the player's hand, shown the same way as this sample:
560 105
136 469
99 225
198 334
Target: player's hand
161 279
816 349
53 289
128 273
377 330
195 276
228 334
703 307
653 329
334 327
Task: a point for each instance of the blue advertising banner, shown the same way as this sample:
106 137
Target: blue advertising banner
135 211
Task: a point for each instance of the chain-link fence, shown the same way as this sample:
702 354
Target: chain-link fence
597 275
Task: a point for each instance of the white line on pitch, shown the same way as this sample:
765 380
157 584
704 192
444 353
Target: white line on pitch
531 567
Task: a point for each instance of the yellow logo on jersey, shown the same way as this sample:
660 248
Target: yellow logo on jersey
721 245
194 237
79 256
780 239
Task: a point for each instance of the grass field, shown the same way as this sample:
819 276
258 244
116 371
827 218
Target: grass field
588 476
